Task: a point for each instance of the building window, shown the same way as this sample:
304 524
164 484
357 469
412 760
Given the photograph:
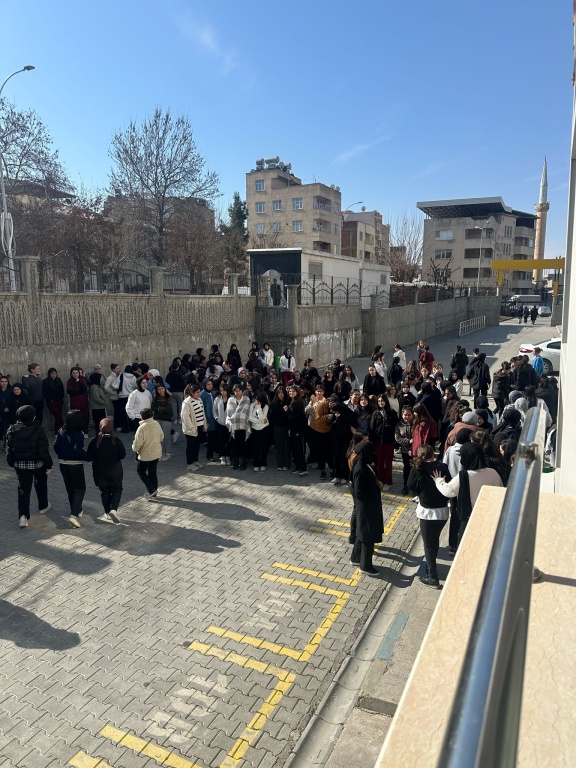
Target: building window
530 243
297 204
260 229
335 229
444 234
297 226
336 208
277 205
260 207
444 254
444 273
382 279
276 226
259 185
469 272
360 235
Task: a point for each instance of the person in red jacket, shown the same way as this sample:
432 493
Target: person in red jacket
426 358
77 388
424 429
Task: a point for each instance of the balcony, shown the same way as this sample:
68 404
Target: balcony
474 253
322 204
320 245
321 226
476 234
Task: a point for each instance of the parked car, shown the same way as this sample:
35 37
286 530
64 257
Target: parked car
550 353
545 311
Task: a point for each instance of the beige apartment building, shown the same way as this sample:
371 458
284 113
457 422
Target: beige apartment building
364 236
462 237
284 213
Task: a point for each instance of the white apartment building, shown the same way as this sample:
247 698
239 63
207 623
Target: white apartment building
461 237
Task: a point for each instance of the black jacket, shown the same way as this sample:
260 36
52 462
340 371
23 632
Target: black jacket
175 380
33 387
53 390
374 385
368 504
479 374
106 459
27 442
421 484
382 427
458 363
501 385
395 374
526 376
277 416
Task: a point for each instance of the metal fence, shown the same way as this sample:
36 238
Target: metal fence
468 326
203 283
10 278
485 719
272 290
64 278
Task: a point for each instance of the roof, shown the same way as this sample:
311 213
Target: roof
473 207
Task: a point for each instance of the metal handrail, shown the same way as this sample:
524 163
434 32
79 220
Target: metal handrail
485 719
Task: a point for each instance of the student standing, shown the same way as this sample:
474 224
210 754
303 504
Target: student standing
403 435
287 366
32 384
162 410
381 433
432 509
97 399
238 422
77 389
53 394
207 396
106 453
112 392
279 419
193 425
222 433
6 407
368 508
28 453
139 399
69 447
260 427
148 445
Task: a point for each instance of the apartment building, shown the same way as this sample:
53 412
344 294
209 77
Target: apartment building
285 213
461 237
365 237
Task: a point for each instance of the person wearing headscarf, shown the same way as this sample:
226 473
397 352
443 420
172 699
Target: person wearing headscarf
482 404
28 453
466 486
97 399
69 447
106 452
509 427
483 419
368 507
452 460
432 507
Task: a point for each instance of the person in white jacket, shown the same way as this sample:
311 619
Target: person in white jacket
258 418
112 393
139 399
238 422
287 366
267 357
222 432
194 422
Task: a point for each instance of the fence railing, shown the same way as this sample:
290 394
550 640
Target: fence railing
485 719
201 283
10 278
468 326
66 278
272 290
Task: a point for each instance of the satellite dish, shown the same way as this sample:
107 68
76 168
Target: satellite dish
363 208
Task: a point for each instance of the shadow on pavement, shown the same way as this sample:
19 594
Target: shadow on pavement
217 511
24 629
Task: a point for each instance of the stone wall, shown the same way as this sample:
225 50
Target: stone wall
405 325
64 330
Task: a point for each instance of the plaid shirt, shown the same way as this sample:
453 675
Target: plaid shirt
28 464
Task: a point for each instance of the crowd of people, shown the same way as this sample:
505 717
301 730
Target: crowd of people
349 429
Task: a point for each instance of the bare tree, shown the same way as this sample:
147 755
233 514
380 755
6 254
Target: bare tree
406 239
194 245
28 154
157 164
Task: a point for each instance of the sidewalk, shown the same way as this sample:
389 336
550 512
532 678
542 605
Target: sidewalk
351 723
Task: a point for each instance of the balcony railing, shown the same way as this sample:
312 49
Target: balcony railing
320 228
323 206
484 723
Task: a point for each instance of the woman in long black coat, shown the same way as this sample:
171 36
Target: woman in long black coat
368 506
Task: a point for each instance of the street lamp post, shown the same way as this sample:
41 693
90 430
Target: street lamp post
343 218
6 227
482 228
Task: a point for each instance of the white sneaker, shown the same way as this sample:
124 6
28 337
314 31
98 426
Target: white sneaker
256 469
223 461
166 457
228 462
23 521
335 481
175 437
262 469
113 516
46 509
199 465
193 467
73 520
386 487
415 498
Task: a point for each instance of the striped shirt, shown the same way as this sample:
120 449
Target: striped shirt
198 406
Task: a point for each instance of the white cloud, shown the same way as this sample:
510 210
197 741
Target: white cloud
358 149
431 169
206 40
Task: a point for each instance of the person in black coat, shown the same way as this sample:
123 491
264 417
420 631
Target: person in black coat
430 397
368 508
374 384
343 421
53 394
19 399
396 372
6 406
479 376
501 387
459 361
28 453
526 376
106 453
509 427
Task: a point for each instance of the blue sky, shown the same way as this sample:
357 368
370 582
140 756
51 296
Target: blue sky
395 102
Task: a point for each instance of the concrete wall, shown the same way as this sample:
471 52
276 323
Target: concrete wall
405 325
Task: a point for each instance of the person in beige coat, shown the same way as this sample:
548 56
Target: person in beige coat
148 445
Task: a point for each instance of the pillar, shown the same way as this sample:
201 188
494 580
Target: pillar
29 274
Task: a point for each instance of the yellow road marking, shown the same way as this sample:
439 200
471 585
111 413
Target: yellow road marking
317 529
282 650
394 519
249 734
333 522
327 621
82 760
146 748
307 572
